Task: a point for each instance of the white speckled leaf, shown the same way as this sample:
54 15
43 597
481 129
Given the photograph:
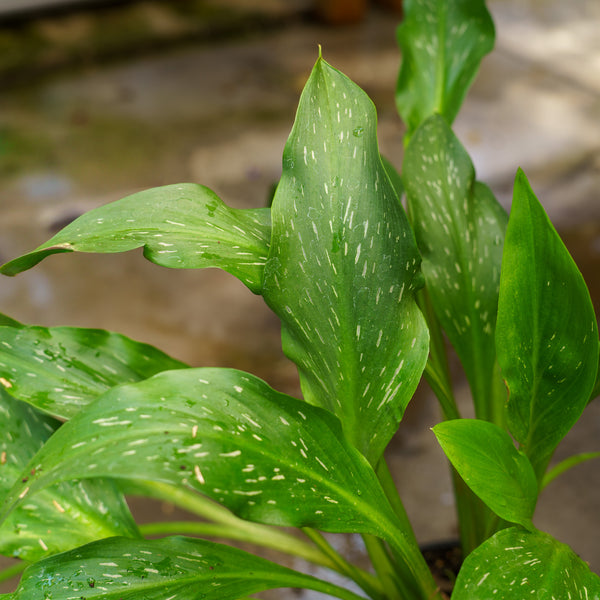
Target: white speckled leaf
442 43
343 266
516 564
58 370
183 226
486 458
61 517
547 335
264 455
174 568
459 227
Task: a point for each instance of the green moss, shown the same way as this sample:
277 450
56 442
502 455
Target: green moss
20 151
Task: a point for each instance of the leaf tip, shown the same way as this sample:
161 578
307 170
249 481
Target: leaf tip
520 175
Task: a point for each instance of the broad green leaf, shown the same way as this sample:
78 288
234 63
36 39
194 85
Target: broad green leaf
65 515
485 456
516 564
61 369
166 569
264 455
460 228
183 226
343 266
547 335
442 43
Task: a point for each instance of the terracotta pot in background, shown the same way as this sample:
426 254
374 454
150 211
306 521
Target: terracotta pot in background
344 12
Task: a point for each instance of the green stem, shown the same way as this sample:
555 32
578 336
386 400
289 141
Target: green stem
498 398
384 567
472 524
337 591
276 540
475 520
391 491
13 570
565 465
226 524
365 580
442 392
406 569
417 580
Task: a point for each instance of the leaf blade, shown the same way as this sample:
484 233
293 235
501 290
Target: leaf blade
459 227
183 226
341 235
157 569
63 516
487 460
442 44
60 369
514 563
265 456
547 335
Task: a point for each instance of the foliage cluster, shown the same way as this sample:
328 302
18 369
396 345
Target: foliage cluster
367 294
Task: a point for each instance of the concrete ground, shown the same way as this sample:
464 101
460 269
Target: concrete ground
219 113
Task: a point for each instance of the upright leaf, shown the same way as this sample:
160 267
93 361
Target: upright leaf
65 515
485 457
547 335
170 568
442 43
183 226
264 455
516 564
459 227
343 266
61 369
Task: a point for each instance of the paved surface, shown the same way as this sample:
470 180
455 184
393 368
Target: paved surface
219 114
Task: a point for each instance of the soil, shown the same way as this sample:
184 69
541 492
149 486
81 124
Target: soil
444 560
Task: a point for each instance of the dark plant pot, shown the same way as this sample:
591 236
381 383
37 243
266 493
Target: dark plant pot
444 560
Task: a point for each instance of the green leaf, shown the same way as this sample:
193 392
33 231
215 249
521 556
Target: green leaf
547 336
65 515
264 455
596 391
516 564
183 226
460 228
485 457
7 321
163 569
343 266
442 43
395 177
61 369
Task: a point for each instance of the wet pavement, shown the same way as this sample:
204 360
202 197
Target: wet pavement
219 114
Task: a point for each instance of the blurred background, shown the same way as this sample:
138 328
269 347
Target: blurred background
100 99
